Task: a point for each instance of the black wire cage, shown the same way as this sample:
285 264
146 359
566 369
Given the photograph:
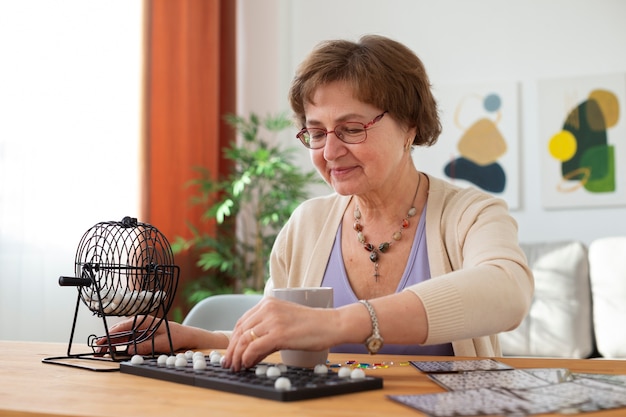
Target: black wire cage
122 269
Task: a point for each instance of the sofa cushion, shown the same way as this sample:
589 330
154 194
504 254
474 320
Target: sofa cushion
607 262
559 323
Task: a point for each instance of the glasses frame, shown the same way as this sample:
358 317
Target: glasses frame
366 126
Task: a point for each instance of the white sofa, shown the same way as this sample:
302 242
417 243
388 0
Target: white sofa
579 306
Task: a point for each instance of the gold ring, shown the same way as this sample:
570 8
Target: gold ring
253 335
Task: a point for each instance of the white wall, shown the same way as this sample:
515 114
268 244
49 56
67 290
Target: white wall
460 41
70 91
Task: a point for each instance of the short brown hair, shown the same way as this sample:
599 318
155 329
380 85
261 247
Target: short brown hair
382 72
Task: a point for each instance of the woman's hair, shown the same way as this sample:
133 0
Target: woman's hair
382 72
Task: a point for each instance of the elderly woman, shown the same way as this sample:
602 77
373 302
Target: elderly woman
425 266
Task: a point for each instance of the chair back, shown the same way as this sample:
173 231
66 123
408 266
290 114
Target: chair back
220 312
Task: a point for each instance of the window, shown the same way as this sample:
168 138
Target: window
70 125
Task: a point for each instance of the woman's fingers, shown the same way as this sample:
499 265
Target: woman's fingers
274 324
245 333
240 339
124 331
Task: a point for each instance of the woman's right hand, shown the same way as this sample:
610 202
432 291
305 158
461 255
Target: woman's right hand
183 337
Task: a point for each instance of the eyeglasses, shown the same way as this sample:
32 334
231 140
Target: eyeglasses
347 132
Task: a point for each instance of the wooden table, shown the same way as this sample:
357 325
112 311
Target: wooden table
29 387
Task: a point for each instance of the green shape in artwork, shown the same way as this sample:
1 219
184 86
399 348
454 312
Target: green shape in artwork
601 162
579 122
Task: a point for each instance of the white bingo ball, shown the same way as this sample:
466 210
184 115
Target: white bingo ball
282 367
199 364
161 360
198 355
273 372
282 384
118 297
87 294
181 355
143 305
260 370
127 298
189 354
320 369
171 361
344 372
216 359
136 360
357 374
180 362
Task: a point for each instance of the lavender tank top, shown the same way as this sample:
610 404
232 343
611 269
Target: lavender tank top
417 270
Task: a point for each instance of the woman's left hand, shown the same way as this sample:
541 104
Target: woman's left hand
273 325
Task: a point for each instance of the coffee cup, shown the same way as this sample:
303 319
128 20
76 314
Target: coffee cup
320 297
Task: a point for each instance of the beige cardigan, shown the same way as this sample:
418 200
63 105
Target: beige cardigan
481 283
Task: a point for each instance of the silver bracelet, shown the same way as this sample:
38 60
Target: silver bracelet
375 341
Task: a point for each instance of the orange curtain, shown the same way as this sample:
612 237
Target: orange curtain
189 86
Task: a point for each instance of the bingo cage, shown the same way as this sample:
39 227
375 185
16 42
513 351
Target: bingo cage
122 269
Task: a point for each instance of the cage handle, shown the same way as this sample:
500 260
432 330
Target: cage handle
74 282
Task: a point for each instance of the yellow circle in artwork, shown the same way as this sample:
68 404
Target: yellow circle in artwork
563 145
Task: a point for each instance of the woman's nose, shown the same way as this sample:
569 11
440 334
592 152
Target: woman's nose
334 147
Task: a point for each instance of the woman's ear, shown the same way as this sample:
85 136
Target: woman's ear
410 138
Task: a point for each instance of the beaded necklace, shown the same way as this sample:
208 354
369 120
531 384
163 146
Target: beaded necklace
383 247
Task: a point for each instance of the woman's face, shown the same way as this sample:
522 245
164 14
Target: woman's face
372 166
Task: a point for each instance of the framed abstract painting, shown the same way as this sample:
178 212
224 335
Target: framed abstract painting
479 144
583 141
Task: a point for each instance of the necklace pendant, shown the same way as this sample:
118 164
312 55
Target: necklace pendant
374 256
383 247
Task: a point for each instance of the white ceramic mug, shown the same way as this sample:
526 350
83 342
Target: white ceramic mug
321 297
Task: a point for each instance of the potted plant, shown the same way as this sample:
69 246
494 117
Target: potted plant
249 206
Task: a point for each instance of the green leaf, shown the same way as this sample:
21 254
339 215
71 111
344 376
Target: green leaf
224 210
240 184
